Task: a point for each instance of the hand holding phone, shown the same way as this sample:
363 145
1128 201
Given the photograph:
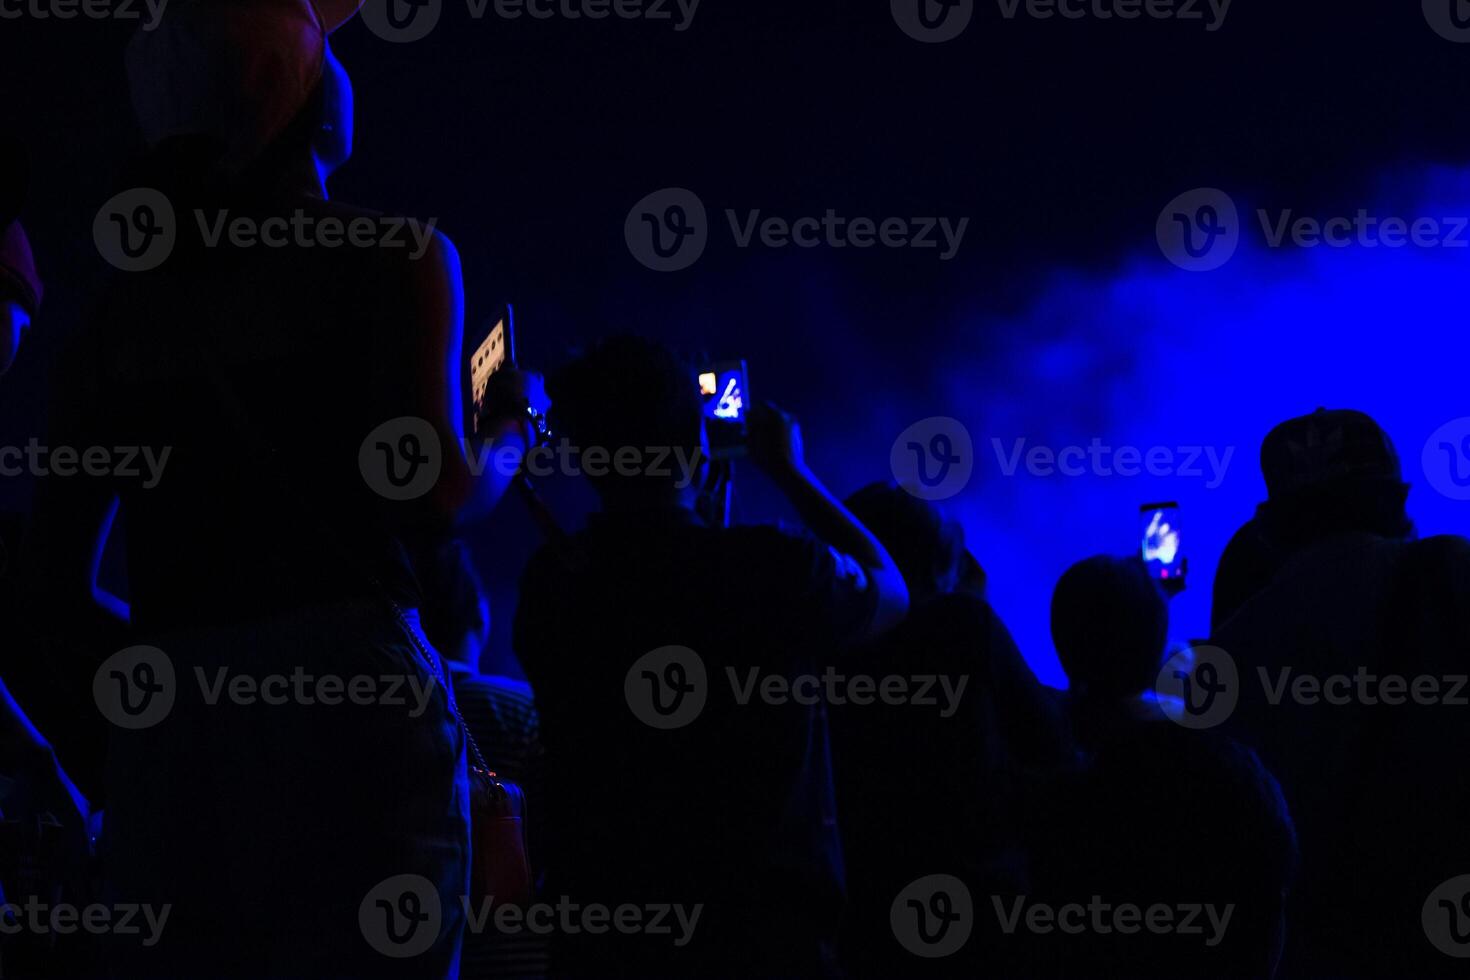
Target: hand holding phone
775 440
500 393
725 390
485 357
1162 545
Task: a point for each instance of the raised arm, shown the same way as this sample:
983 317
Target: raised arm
775 446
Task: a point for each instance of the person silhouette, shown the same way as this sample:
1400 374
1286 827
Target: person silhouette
267 548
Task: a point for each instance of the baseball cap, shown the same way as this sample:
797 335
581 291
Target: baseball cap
1325 447
236 70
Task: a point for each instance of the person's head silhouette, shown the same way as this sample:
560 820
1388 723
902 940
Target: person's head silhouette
629 393
1328 473
246 87
1110 624
927 546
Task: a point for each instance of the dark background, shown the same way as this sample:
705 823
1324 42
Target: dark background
530 140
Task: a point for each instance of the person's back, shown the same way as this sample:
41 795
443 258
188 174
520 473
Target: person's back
1157 815
676 775
1162 818
733 811
304 343
268 794
932 785
1376 787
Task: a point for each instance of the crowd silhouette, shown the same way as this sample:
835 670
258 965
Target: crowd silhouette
744 750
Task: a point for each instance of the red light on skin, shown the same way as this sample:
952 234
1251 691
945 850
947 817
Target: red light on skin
1166 573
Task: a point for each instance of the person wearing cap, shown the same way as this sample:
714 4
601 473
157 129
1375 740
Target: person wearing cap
1333 596
274 827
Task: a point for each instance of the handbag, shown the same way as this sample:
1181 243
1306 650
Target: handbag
500 867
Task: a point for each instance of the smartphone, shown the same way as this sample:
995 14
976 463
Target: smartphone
487 352
725 390
1161 541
